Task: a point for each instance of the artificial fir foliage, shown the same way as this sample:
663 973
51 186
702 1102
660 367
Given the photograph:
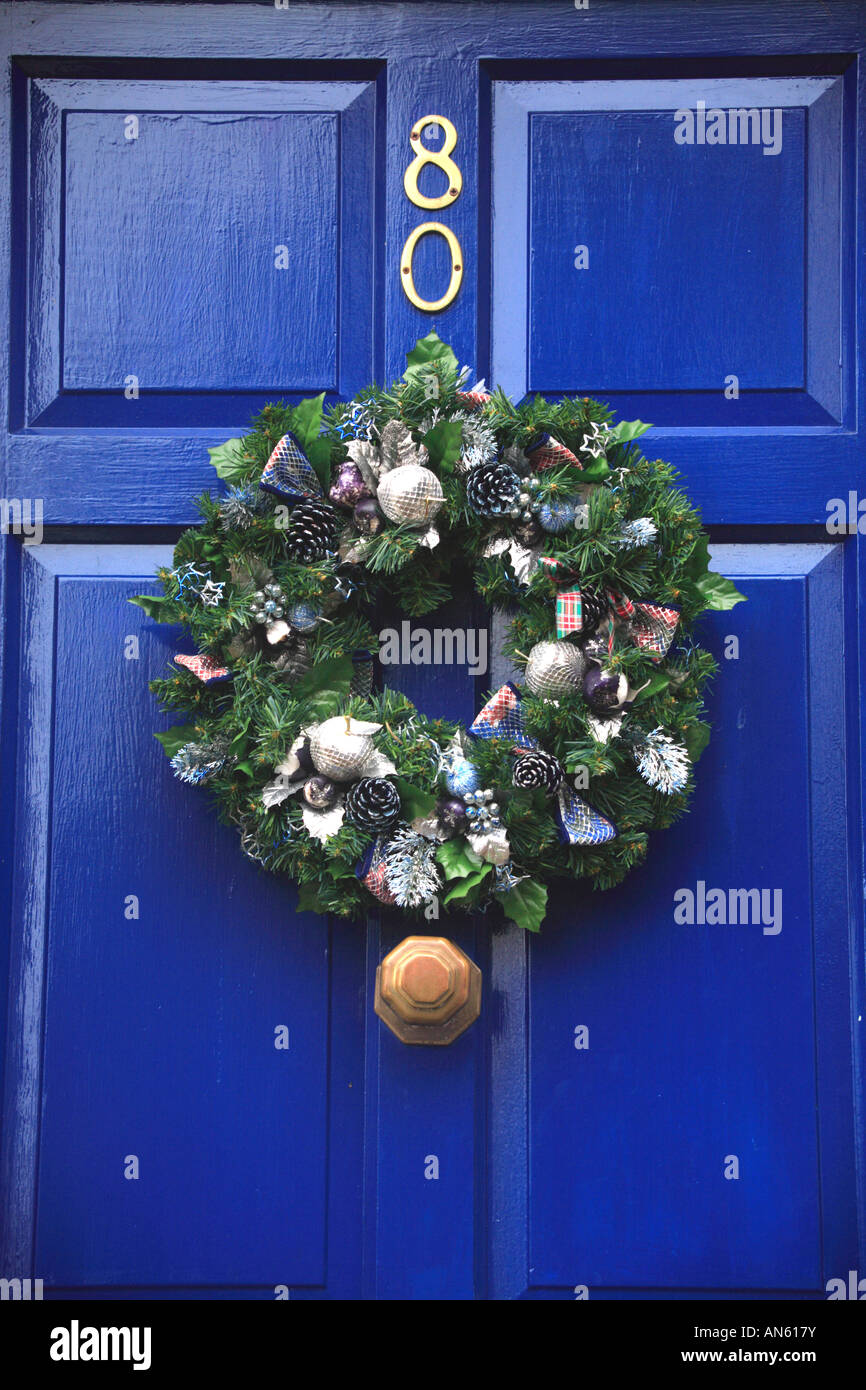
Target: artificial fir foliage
593 551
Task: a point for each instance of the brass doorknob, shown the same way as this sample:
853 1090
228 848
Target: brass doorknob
428 990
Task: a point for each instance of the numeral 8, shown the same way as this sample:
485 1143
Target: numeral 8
441 158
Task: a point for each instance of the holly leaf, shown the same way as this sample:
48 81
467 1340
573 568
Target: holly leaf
427 350
173 739
718 592
458 859
659 680
415 801
152 606
326 686
443 444
594 471
229 461
308 899
319 454
525 904
696 738
464 887
629 429
307 420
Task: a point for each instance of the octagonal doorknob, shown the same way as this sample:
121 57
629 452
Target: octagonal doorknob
428 990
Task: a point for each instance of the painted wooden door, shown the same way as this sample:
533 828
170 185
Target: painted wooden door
164 163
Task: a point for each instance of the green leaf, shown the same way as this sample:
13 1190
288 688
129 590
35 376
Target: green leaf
718 592
229 462
525 904
458 859
427 350
659 680
443 444
238 745
415 801
319 454
307 419
308 899
326 686
466 886
245 768
696 740
174 739
152 606
629 429
594 471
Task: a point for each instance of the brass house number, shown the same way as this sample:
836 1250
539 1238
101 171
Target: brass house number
442 159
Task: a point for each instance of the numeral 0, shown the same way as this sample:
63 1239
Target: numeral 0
429 305
442 159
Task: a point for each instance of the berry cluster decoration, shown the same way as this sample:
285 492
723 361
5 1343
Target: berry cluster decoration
342 784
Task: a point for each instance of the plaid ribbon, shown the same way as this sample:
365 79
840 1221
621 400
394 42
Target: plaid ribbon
289 473
651 626
472 400
502 717
569 612
207 670
371 872
545 452
578 823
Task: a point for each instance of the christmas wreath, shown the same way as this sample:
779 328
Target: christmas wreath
595 554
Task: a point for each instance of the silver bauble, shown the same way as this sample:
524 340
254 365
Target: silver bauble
319 792
554 668
338 752
411 495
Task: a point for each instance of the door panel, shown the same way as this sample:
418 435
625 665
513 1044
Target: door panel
170 964
706 1041
700 286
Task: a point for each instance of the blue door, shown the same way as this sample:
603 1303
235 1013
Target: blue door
207 212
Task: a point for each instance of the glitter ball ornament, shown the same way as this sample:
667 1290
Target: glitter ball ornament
538 769
556 514
311 532
348 487
492 489
320 793
339 751
554 668
373 804
367 517
529 533
604 690
410 495
462 777
302 616
451 815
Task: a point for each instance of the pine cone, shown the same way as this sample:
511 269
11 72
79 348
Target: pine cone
537 769
593 608
492 488
312 531
293 658
373 804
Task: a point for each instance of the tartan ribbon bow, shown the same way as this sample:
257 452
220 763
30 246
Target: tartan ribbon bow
502 717
288 472
651 626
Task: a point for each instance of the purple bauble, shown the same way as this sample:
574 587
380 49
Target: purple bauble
451 815
367 517
604 690
348 486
